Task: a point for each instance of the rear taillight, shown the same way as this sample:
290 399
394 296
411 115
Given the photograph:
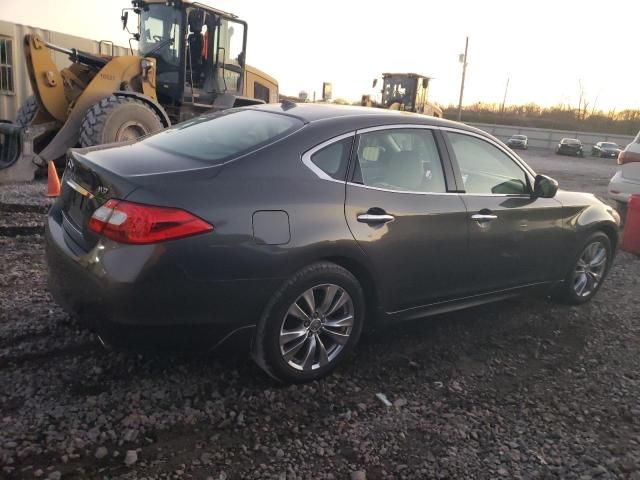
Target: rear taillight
128 222
628 157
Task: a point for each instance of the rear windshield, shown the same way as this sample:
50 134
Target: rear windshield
222 136
610 145
570 141
519 137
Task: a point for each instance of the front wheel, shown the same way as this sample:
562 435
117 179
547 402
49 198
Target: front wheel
588 270
118 119
312 323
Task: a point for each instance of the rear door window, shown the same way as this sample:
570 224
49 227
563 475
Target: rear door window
224 136
402 159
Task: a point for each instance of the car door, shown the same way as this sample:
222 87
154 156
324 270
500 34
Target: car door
400 208
515 238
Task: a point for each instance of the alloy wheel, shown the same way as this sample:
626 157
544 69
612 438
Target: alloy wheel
590 269
316 327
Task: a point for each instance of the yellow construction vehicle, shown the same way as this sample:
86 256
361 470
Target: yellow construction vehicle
191 61
403 91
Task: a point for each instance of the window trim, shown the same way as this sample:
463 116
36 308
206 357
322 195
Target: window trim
447 158
528 171
8 41
306 157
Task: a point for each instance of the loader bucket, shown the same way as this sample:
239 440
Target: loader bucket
10 144
18 161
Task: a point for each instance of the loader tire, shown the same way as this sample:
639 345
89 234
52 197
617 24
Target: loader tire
118 119
27 112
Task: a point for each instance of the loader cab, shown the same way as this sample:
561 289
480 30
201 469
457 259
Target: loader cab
405 91
199 52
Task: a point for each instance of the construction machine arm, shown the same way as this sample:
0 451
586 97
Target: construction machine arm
78 56
46 80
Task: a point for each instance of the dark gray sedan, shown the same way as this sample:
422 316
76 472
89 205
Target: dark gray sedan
606 150
292 228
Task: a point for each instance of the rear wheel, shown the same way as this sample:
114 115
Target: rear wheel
118 119
588 270
27 112
311 325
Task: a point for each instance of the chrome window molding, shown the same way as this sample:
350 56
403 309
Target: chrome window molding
359 185
396 126
306 157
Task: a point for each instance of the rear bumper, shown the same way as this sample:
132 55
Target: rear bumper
138 294
566 151
621 189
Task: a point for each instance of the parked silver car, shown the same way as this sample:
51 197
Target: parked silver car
626 181
518 141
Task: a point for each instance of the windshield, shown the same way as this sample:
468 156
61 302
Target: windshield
219 137
160 33
609 145
398 89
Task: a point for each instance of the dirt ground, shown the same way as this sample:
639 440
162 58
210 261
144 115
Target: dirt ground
521 389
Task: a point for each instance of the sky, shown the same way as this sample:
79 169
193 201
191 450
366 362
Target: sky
546 48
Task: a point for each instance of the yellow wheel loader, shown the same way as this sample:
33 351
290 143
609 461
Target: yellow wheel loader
403 91
191 61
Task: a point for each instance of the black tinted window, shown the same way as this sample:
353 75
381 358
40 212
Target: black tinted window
260 92
486 169
223 136
333 159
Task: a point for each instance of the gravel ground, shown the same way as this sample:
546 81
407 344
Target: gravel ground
520 389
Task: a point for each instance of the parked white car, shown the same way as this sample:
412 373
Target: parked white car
626 181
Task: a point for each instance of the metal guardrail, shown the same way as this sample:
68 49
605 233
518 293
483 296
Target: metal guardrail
548 138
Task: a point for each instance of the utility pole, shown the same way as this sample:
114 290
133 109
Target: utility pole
504 99
463 60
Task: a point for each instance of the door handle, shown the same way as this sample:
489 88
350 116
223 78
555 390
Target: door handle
481 218
375 218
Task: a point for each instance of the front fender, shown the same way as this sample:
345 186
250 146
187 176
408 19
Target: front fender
585 214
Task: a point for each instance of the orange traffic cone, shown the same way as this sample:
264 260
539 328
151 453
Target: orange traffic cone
53 182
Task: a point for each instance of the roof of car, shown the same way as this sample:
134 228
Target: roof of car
314 112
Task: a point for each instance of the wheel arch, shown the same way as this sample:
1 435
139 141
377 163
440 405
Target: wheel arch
164 118
610 231
366 279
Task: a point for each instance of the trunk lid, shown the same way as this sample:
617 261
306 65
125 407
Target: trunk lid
95 175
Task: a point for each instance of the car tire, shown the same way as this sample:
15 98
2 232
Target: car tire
311 324
578 286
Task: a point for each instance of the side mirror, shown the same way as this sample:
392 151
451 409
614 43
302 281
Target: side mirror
425 83
124 18
545 187
375 82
